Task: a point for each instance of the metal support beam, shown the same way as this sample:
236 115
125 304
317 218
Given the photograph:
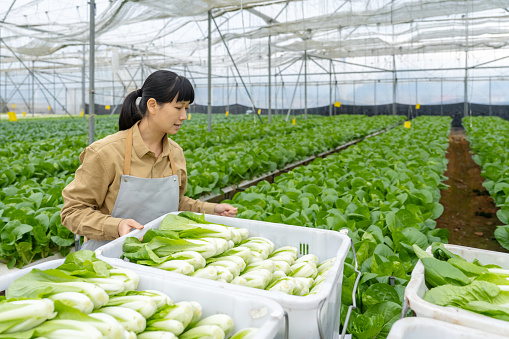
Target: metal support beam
441 96
235 65
91 86
465 113
83 105
209 91
305 84
32 72
17 89
490 96
33 89
270 88
374 100
294 91
394 88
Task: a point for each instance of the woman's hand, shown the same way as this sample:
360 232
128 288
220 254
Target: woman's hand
126 225
225 210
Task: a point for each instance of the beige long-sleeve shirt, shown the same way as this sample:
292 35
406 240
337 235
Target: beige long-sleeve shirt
90 197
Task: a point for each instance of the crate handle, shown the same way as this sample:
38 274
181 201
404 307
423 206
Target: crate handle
356 269
287 326
318 317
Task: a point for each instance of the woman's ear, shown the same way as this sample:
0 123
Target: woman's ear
152 105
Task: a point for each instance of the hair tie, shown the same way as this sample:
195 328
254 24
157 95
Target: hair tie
139 93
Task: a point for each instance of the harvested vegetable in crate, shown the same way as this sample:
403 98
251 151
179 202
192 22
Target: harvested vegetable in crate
87 298
455 282
188 244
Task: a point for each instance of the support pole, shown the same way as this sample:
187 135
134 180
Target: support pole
330 88
305 84
83 105
270 99
395 81
33 90
294 91
91 86
228 89
490 97
465 113
209 90
236 68
354 102
442 96
376 107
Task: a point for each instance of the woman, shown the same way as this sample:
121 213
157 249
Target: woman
137 174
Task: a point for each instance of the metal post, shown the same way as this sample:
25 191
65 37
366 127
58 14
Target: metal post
55 92
395 80
91 86
83 105
270 99
465 113
416 93
442 96
376 107
305 84
490 97
294 91
209 90
236 68
228 89
33 90
282 94
354 103
330 88
236 93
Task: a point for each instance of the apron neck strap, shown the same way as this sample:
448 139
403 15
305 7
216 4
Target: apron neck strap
172 163
128 151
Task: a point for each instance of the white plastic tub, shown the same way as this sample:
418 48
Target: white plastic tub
309 315
416 289
421 328
246 310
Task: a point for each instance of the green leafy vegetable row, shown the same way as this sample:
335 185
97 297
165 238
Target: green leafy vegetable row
33 182
385 191
489 140
215 167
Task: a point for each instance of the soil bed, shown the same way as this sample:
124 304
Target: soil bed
469 211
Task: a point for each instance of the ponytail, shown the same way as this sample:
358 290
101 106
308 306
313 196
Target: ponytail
161 85
129 114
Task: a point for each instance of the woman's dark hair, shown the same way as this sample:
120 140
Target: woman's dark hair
163 86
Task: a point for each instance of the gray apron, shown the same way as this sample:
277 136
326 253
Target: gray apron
142 199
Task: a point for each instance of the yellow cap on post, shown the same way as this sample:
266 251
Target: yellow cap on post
407 124
417 106
189 117
293 121
107 107
227 112
337 104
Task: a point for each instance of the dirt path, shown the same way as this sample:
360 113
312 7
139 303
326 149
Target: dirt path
469 211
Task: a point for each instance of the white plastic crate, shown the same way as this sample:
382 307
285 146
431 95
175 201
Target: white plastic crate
416 289
421 328
245 309
313 316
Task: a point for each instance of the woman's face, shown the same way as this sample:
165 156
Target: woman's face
170 116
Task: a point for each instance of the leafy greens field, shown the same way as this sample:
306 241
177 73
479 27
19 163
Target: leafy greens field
489 140
385 191
38 159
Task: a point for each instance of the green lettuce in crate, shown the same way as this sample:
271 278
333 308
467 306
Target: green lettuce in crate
455 282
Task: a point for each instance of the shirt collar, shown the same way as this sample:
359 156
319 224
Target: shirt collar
141 148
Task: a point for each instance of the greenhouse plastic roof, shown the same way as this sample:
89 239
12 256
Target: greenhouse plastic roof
169 33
